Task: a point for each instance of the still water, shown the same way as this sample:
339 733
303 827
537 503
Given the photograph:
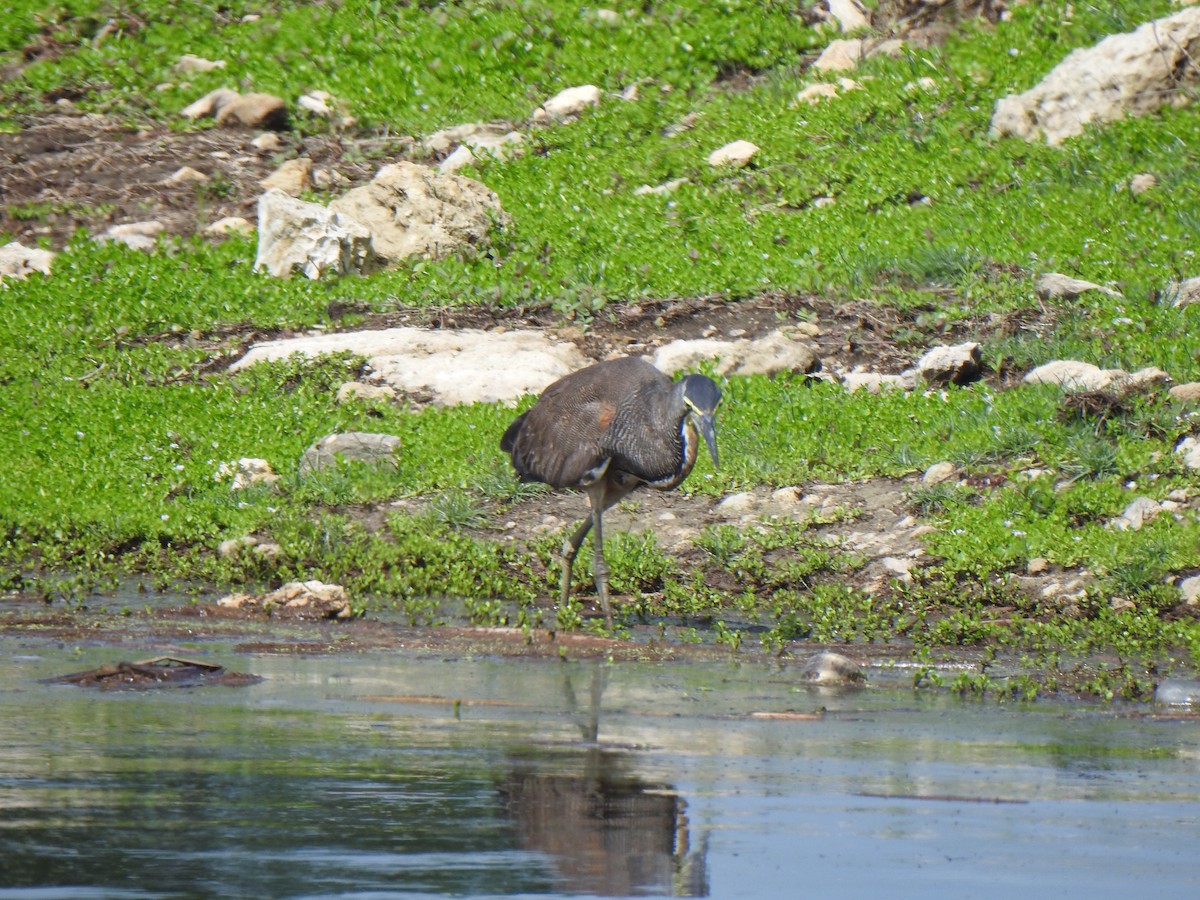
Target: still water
388 775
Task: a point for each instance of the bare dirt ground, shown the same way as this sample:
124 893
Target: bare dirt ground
70 172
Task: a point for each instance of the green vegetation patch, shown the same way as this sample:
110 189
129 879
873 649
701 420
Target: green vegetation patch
117 412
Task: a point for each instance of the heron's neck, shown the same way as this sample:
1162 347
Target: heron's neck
688 442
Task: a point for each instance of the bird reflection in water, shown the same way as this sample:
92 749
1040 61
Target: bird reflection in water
607 831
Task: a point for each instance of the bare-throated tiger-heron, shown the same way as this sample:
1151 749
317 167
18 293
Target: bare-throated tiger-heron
606 430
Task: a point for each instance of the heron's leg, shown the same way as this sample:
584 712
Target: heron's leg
569 550
599 566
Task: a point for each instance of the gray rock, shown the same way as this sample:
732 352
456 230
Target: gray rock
828 668
1189 449
413 210
1184 293
1139 512
1123 75
326 179
788 496
459 159
186 175
900 569
507 147
891 47
306 237
1189 590
351 446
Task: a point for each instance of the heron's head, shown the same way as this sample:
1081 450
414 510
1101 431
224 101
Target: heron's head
701 396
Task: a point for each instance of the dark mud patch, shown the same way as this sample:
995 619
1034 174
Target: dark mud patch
61 173
182 629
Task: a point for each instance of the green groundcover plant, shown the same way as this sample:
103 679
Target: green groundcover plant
117 414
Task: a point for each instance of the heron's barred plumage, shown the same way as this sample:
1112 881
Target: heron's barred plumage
607 429
622 412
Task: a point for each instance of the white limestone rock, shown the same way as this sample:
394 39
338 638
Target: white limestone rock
1073 375
350 446
246 472
18 261
413 210
569 104
455 366
295 236
1053 286
737 154
840 55
135 235
230 225
957 364
293 177
779 351
1129 74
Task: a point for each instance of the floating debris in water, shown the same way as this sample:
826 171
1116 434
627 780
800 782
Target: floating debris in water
162 671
